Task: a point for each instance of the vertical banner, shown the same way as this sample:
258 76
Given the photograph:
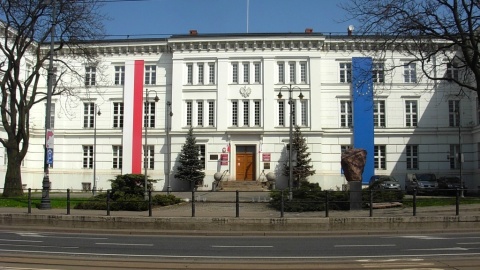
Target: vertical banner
133 117
362 102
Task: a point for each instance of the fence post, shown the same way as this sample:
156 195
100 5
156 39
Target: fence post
149 203
193 203
414 202
68 201
108 202
327 204
237 204
371 202
282 201
457 202
29 200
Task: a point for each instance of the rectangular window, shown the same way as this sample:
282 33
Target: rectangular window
454 157
52 115
346 114
189 74
453 113
211 73
257 113
294 112
211 113
235 113
235 73
149 114
257 72
118 114
345 72
304 112
246 72
119 75
344 148
88 114
87 156
150 154
201 152
379 113
90 75
411 114
117 155
281 72
189 113
452 72
380 157
303 72
150 74
378 73
281 113
412 157
246 112
200 73
409 73
200 113
292 72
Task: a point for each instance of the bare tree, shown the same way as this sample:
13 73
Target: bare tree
25 29
436 34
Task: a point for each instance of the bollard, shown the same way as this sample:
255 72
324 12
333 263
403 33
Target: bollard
237 204
149 203
193 203
108 202
282 201
414 202
327 204
68 201
371 202
29 200
457 202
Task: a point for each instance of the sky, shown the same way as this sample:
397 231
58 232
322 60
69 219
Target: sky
162 18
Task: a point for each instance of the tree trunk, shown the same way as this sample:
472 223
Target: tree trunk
13 177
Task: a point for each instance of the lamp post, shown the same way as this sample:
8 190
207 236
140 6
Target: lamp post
291 101
167 129
147 124
45 202
97 112
460 151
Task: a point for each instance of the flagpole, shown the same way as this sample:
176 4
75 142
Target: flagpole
248 4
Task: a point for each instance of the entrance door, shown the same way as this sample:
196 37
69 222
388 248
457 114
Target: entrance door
245 160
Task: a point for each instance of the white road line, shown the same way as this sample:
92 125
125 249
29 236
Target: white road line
437 249
123 244
387 245
471 243
242 246
26 241
10 245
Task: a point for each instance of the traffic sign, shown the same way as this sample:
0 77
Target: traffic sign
50 156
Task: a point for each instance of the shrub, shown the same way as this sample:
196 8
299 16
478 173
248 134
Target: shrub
164 200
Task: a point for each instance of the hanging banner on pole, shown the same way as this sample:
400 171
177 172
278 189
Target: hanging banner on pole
49 139
49 156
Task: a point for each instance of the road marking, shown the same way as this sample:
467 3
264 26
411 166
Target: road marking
472 243
124 244
26 241
34 246
424 237
436 249
387 245
242 246
59 237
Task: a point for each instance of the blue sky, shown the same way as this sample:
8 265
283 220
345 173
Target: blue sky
160 18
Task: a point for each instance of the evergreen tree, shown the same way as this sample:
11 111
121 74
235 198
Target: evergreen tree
301 159
191 167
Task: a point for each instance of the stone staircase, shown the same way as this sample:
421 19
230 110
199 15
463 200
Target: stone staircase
241 186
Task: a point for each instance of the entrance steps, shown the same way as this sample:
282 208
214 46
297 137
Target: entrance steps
242 186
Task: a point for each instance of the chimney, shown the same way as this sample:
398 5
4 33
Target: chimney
193 32
350 30
308 30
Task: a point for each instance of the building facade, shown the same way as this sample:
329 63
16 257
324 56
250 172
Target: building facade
227 87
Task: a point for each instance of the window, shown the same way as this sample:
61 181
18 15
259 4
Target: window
246 112
379 113
211 113
281 113
149 115
453 113
453 157
201 152
345 72
344 148
411 117
200 73
294 112
409 73
452 72
380 157
281 72
189 113
303 72
200 113
117 156
87 156
90 74
235 72
211 73
378 73
304 112
257 72
150 161
88 114
246 73
235 113
189 74
257 113
150 74
52 115
346 113
412 157
292 72
119 75
118 114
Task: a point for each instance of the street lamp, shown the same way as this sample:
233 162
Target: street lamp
291 101
457 112
167 128
97 112
146 124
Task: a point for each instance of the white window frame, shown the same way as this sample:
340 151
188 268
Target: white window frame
189 114
150 156
119 78
379 113
246 72
257 71
118 114
281 72
190 74
304 113
303 73
88 114
345 71
292 71
411 153
90 76
150 75
380 157
200 113
411 113
200 72
117 156
346 114
409 72
453 116
378 72
149 114
235 113
235 72
87 156
211 73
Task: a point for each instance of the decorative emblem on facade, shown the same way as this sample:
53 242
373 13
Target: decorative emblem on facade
245 91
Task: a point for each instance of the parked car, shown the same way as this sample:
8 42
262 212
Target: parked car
425 183
450 184
384 182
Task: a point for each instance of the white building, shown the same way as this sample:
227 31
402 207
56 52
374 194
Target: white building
226 87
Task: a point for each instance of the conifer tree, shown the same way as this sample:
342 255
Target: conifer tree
301 159
190 168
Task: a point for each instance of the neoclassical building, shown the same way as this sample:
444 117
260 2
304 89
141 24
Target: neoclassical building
139 100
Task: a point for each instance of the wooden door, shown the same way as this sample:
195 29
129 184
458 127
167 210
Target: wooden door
245 164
